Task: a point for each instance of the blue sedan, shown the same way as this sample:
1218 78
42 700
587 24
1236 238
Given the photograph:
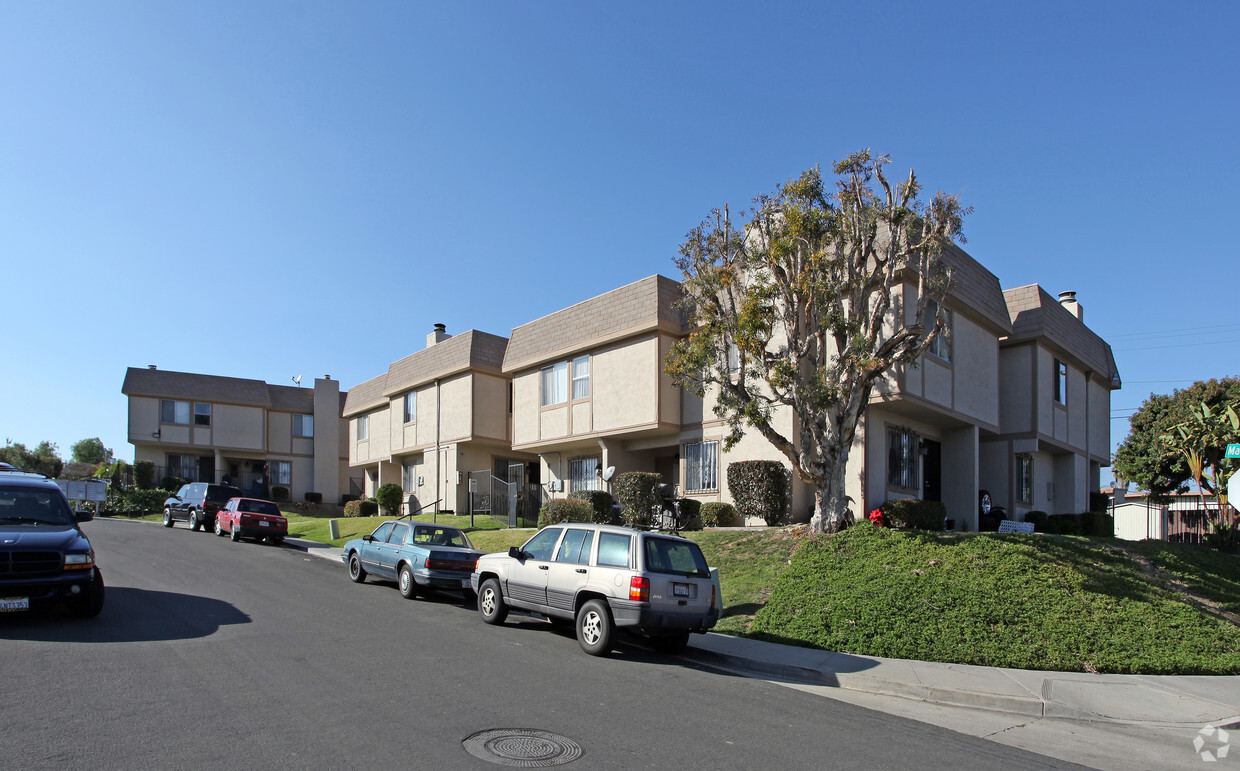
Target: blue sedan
416 555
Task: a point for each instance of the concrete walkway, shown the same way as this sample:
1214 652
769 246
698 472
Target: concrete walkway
1126 699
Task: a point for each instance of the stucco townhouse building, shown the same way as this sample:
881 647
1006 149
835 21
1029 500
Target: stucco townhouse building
209 428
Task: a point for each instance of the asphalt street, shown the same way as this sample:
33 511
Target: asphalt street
213 654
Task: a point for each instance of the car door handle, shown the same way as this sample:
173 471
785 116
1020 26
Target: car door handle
544 567
581 570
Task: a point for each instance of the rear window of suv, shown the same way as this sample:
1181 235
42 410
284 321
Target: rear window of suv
221 494
664 555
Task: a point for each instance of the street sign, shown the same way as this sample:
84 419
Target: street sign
1233 451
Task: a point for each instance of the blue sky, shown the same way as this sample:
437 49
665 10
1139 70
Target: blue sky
266 189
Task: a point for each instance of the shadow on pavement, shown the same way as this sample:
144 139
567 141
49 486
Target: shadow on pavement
129 615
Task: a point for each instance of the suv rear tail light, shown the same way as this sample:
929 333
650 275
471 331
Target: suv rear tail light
639 589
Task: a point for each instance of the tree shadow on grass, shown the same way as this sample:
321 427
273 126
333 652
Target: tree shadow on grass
129 615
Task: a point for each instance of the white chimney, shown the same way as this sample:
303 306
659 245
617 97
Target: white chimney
1068 300
438 336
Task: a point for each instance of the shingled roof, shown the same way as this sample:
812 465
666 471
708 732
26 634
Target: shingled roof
1035 313
976 288
641 306
472 350
166 384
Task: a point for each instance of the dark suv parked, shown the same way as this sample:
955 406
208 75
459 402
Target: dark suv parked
197 503
44 555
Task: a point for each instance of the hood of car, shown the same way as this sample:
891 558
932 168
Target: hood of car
48 537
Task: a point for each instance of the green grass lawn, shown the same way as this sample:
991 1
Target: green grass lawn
314 528
1025 601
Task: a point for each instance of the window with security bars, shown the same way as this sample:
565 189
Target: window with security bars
582 474
281 472
701 466
1024 478
901 457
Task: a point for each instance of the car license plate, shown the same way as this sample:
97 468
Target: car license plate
14 603
464 583
680 590
262 523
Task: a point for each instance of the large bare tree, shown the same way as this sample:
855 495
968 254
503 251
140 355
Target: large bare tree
800 309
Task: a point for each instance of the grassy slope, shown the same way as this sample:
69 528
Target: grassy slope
1030 602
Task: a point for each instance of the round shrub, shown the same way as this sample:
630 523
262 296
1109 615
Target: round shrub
719 515
601 504
564 510
390 496
348 497
637 492
279 493
1038 518
368 508
690 514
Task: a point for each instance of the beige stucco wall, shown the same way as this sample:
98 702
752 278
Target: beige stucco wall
490 407
975 360
279 432
456 408
1017 388
526 418
625 384
1100 421
238 427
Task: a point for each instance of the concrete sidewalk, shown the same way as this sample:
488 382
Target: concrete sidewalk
1131 699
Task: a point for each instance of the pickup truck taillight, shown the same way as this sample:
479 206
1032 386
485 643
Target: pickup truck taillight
639 589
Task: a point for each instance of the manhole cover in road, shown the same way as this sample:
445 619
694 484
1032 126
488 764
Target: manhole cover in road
522 747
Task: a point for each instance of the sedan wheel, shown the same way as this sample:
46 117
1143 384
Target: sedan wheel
357 573
491 602
235 533
594 628
219 530
167 517
408 587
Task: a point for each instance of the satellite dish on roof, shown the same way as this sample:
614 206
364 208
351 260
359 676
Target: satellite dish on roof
609 473
297 380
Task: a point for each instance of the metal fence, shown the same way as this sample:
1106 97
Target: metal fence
512 504
1189 525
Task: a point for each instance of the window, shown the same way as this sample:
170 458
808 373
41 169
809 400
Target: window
303 425
554 384
576 546
583 474
581 377
400 531
541 546
202 414
1061 382
174 412
183 466
363 427
1024 478
702 466
411 406
281 472
382 532
613 550
901 457
941 345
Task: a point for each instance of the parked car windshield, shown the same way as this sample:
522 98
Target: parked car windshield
664 555
440 536
26 506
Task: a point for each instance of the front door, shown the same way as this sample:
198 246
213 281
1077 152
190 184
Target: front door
932 471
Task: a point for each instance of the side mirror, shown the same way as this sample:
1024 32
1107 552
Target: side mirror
514 552
84 515
368 538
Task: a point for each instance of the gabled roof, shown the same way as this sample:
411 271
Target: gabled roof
641 306
468 351
166 384
1035 314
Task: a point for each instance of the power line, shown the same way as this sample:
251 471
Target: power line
1180 345
1131 336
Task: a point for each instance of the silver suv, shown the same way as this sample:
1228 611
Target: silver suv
603 578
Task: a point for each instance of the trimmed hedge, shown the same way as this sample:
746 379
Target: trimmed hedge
1091 523
314 497
761 488
638 495
279 493
133 503
348 498
914 514
1038 518
389 498
172 484
144 474
601 503
719 515
691 514
564 510
361 508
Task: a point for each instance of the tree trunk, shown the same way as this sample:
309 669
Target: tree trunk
831 513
